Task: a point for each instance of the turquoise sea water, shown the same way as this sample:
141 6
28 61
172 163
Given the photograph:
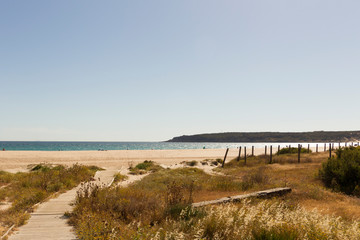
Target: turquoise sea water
86 146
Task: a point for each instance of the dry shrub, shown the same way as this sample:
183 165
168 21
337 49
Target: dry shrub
178 197
118 177
120 203
191 163
224 184
291 158
265 220
26 189
258 177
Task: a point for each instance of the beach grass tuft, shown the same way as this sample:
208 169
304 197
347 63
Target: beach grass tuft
144 167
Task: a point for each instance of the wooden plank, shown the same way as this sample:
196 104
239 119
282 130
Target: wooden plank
261 194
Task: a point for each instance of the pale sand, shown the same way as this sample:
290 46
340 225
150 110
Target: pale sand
19 160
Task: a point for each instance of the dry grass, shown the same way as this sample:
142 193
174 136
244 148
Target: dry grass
269 219
118 177
260 220
205 186
24 190
307 189
288 217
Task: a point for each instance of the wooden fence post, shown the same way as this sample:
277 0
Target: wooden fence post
245 154
252 151
278 150
317 147
308 148
324 147
239 154
329 150
345 144
270 154
339 145
223 163
265 150
299 150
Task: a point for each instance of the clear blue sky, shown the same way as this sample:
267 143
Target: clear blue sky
152 70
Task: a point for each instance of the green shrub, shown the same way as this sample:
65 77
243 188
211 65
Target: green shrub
217 161
191 163
118 177
293 150
144 167
342 173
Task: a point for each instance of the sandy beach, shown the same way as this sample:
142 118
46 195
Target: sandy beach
19 160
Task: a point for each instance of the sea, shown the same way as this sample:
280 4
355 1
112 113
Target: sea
99 146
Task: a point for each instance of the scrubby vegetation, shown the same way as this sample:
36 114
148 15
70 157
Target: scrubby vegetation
342 173
292 150
269 219
212 162
152 201
262 220
118 177
111 213
190 163
24 189
144 167
158 206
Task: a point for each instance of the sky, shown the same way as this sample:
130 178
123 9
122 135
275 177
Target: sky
90 70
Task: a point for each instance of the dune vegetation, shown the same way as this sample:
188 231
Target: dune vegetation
159 205
19 192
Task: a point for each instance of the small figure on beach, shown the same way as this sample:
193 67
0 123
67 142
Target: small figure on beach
204 147
3 149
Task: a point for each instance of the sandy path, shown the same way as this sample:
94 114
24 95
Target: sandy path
48 221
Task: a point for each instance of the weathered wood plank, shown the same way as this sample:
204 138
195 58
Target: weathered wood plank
261 194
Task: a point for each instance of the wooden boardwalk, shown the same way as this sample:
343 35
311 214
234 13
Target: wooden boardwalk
48 220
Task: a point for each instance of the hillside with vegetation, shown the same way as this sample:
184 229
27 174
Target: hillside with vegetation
317 136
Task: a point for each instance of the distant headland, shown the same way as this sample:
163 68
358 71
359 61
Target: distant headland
316 136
